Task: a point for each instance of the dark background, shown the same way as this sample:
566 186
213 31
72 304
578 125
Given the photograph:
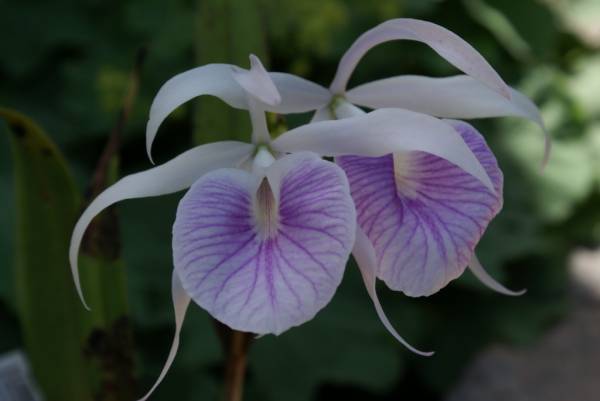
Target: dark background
66 65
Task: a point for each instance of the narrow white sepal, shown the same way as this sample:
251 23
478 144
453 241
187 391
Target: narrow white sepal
173 176
460 97
181 301
382 132
297 95
364 254
212 79
444 42
477 269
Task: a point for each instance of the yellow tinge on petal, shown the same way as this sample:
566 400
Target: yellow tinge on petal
405 185
266 210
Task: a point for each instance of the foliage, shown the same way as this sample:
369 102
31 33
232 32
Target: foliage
56 331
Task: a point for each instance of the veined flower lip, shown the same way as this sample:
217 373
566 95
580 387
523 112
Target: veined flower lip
408 189
283 241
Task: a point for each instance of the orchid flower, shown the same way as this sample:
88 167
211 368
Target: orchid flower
425 189
422 215
261 239
262 236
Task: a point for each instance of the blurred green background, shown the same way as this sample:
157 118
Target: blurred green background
66 64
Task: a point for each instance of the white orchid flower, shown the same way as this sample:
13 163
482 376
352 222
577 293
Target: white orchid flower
422 215
262 237
422 204
421 207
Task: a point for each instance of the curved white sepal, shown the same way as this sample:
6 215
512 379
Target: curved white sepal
382 132
181 301
447 44
212 79
483 276
364 254
458 97
175 175
297 94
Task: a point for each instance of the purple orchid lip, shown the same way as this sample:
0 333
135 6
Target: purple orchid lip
422 214
265 254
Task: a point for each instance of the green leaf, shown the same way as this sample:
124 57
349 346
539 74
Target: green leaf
6 230
50 313
93 349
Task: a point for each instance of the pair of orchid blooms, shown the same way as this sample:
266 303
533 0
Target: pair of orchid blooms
262 237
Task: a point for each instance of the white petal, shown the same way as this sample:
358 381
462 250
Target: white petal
297 95
257 82
447 44
381 132
460 97
364 254
483 276
175 175
181 301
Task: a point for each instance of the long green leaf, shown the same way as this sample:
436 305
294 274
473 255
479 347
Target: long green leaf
93 350
47 203
109 340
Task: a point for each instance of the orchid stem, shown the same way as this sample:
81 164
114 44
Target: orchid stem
235 368
235 346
